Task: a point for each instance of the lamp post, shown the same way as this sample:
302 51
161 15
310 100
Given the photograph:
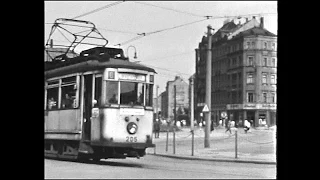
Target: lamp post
135 52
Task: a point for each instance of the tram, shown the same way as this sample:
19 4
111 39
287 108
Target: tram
97 105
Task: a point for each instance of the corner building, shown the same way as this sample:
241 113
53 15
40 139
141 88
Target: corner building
244 73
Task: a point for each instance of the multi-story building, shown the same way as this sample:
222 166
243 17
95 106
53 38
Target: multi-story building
182 98
244 73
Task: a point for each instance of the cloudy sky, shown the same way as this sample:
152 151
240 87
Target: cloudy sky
171 51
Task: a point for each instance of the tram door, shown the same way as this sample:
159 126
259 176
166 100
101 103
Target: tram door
87 106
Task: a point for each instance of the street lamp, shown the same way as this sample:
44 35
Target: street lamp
135 52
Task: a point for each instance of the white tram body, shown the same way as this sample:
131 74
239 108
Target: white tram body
98 106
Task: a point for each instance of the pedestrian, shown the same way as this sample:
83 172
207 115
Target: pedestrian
157 128
228 127
246 126
212 126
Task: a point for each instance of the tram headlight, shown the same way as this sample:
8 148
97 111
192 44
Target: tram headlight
132 128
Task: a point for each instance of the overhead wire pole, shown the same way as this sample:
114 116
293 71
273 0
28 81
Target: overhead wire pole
208 90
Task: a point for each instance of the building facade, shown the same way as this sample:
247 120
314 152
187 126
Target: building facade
169 96
244 73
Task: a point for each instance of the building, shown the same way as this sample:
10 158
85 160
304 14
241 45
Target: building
244 73
182 99
157 107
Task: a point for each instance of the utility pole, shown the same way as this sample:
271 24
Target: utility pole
192 105
208 90
192 115
175 104
157 116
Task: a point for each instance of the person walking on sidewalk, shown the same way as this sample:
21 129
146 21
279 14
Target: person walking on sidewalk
228 127
246 126
157 128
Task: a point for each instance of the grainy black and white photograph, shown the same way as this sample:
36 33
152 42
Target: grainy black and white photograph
160 89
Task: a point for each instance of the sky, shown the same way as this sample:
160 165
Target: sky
170 52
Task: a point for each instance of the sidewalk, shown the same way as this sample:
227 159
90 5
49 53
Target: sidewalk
257 146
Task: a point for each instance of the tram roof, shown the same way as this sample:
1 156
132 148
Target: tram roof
89 60
92 64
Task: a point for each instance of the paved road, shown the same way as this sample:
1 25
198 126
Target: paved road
154 167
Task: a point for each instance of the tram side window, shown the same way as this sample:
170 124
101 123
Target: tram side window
68 97
112 92
149 93
52 98
68 93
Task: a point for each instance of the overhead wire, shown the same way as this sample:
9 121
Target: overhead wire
188 13
99 9
141 35
166 57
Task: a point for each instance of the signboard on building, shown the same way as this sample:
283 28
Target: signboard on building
251 106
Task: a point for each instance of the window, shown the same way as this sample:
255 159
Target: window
265 45
131 93
234 61
249 78
273 62
264 78
52 95
97 90
149 93
112 92
274 46
52 98
264 97
250 60
248 45
273 79
249 97
273 97
253 45
264 62
68 92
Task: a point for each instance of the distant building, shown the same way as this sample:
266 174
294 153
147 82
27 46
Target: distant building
244 73
182 98
157 108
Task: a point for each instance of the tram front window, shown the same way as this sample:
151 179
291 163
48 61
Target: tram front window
131 93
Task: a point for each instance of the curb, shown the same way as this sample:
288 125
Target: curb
217 160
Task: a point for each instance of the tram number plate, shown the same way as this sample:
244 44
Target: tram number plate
131 139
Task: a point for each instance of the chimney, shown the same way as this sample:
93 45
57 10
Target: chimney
247 20
261 23
51 43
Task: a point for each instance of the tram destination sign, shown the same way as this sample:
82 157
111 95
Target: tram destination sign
131 76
